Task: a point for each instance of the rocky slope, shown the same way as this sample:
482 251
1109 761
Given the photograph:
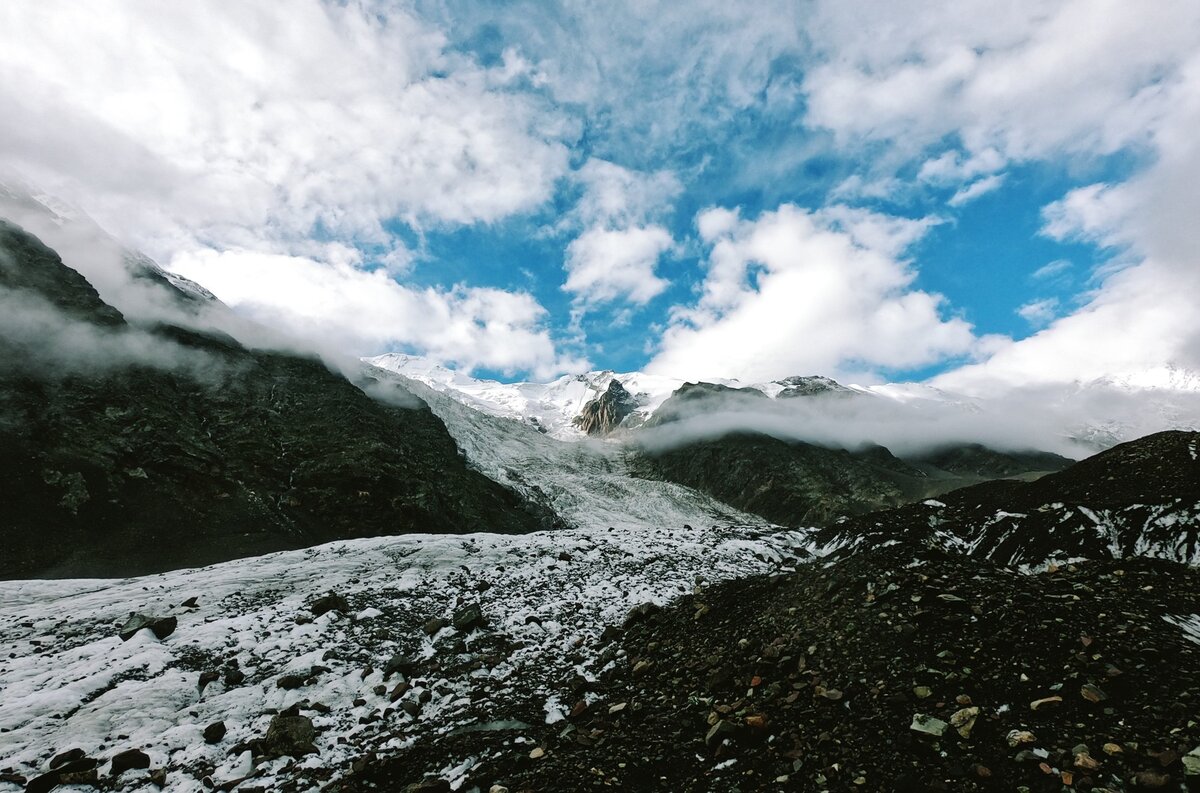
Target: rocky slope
1139 498
130 449
883 672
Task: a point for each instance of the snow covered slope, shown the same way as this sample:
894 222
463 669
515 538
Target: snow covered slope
549 406
69 681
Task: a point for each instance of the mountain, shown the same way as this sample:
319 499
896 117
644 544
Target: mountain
1140 498
129 448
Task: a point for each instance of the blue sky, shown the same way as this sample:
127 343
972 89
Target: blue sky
953 192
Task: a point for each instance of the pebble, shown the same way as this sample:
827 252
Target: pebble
928 725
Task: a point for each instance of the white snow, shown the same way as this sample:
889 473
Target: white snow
69 681
1189 624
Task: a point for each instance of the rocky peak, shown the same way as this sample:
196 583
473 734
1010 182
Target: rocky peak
799 386
603 414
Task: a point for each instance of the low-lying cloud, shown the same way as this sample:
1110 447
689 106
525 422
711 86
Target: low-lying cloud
1075 424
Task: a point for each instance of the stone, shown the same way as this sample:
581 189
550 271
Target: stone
328 603
1191 762
964 720
290 735
44 783
129 759
162 627
159 777
434 625
537 754
429 785
69 756
720 732
90 777
290 682
1045 702
928 725
922 692
214 732
399 663
1151 779
1092 693
497 789
469 618
641 667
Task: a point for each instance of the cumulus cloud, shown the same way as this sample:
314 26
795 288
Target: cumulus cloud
341 306
615 257
250 123
304 133
800 292
1045 82
604 265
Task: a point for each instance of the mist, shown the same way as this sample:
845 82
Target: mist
39 338
1074 422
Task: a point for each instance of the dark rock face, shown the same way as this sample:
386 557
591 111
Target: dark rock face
605 413
695 400
790 483
139 468
1142 497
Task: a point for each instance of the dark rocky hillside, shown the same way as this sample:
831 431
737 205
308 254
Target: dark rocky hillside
794 483
789 482
1142 497
129 467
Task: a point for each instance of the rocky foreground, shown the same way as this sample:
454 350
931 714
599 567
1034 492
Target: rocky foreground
891 670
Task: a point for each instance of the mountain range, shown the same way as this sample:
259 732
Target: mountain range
234 564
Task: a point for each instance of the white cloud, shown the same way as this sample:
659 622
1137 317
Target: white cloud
275 131
798 292
615 257
1056 82
247 124
343 307
605 265
1039 312
976 189
1051 269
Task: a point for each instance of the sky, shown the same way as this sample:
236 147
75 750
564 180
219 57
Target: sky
977 195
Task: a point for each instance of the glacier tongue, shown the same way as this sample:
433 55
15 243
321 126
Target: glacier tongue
587 483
